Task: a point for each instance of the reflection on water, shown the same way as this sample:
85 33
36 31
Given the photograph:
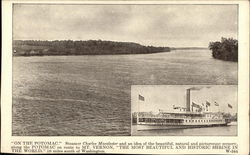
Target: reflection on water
230 130
90 95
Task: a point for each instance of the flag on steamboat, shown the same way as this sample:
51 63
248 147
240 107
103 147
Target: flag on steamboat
216 104
208 103
141 98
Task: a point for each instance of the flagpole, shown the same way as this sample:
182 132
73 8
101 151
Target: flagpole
140 98
218 106
138 111
230 109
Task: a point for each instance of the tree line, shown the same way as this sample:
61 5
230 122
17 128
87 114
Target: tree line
226 49
90 47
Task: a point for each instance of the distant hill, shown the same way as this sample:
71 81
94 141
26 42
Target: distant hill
90 47
189 48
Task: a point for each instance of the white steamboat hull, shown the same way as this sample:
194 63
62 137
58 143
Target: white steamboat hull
165 127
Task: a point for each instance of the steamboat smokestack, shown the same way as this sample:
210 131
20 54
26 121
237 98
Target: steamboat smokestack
188 99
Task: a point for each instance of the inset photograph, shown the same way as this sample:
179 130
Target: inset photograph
184 110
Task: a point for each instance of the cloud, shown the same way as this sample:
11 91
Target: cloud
163 25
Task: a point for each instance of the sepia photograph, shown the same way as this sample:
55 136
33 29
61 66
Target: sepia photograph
73 66
183 110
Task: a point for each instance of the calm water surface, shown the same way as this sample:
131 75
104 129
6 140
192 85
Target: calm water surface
90 95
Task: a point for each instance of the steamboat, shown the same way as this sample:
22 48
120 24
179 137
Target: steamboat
191 116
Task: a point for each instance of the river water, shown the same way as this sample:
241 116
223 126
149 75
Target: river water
90 95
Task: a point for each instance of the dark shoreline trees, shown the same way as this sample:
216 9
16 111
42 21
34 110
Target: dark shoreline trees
226 49
90 47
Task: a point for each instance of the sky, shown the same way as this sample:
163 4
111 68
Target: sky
157 25
165 96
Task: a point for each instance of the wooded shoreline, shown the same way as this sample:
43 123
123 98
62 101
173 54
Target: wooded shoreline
90 47
226 49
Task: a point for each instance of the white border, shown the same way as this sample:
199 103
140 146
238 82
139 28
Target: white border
243 87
